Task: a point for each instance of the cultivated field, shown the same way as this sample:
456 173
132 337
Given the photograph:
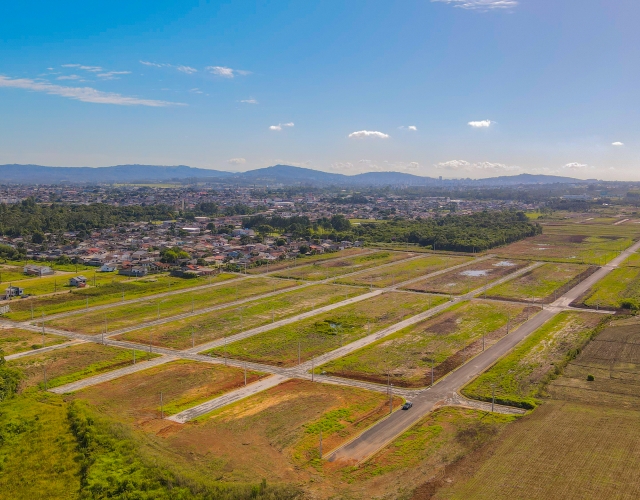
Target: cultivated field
183 384
577 243
67 365
14 340
403 271
127 315
301 261
445 341
520 378
471 277
323 333
194 330
543 284
620 288
108 292
337 267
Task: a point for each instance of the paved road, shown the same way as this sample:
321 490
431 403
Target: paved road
387 430
114 374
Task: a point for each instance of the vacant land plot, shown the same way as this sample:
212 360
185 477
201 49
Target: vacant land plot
12 273
424 450
307 259
444 342
403 271
543 284
194 330
110 291
619 289
67 365
135 314
338 267
613 360
183 384
520 378
569 242
471 277
633 260
562 450
309 338
14 340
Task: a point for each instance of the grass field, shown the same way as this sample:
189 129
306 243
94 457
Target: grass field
403 271
446 341
520 378
425 450
67 365
471 277
228 321
542 284
562 450
14 340
315 336
633 260
337 267
621 286
307 259
183 384
128 315
108 292
578 243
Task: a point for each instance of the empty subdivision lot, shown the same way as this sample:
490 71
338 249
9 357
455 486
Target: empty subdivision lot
217 324
403 271
584 443
473 276
521 376
542 284
107 292
302 261
135 398
569 242
128 315
67 365
14 340
327 331
338 267
621 286
444 341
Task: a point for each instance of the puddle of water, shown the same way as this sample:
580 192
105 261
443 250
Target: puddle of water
479 272
504 263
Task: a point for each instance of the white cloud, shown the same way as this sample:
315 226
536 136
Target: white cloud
279 126
617 143
84 94
368 133
155 65
249 101
480 124
93 69
187 69
575 166
180 67
236 161
484 166
482 5
412 128
196 90
112 75
69 77
225 72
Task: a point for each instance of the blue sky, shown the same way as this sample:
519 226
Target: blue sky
458 88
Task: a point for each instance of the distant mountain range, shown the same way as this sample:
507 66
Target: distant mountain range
276 175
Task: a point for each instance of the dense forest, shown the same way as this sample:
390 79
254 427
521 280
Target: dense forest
480 231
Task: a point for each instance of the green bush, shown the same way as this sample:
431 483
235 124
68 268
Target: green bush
590 378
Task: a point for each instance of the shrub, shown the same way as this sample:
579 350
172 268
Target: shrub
590 378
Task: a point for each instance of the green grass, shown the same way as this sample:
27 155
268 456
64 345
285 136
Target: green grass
127 315
302 260
403 271
520 378
444 341
316 335
538 284
633 260
107 292
53 265
14 340
620 285
70 364
217 324
333 268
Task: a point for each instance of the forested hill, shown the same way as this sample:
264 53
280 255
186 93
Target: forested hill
466 233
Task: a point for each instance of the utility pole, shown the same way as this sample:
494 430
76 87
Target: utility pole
493 396
312 369
43 324
390 399
320 447
134 356
193 340
245 373
432 363
225 349
44 368
298 352
161 407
